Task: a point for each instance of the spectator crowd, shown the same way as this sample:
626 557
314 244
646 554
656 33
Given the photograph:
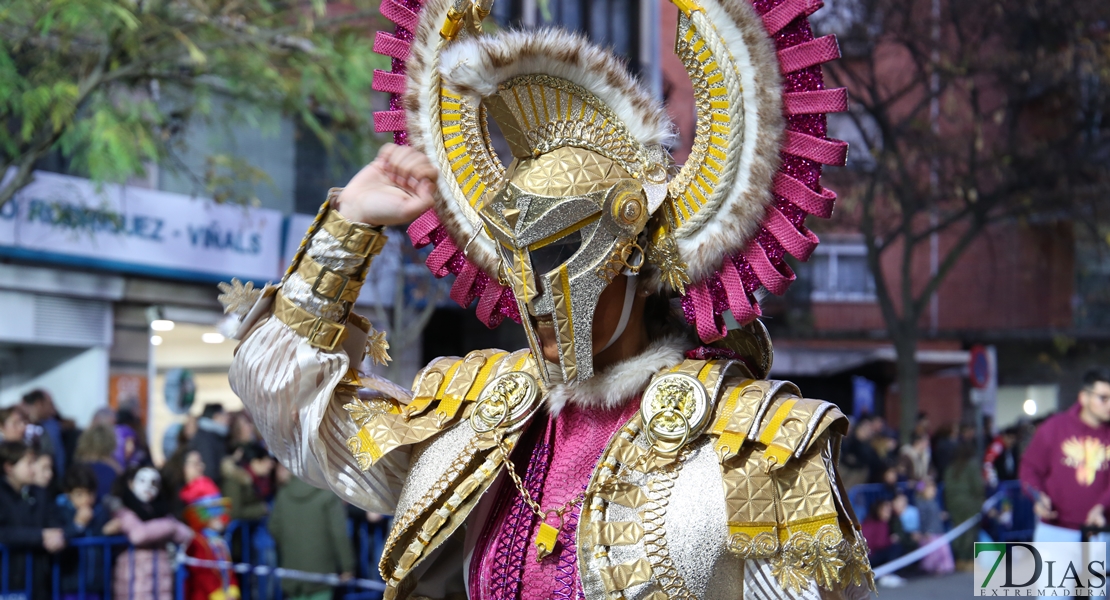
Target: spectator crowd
60 484
941 477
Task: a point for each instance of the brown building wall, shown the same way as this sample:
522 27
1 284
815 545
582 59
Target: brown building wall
1015 276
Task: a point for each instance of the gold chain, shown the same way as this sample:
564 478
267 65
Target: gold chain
535 506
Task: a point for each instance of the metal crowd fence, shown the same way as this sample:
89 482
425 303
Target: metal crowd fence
86 568
1011 520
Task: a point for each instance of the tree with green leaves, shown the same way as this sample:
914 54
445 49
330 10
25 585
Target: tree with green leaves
112 84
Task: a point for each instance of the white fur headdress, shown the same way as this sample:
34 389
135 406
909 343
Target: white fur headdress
729 215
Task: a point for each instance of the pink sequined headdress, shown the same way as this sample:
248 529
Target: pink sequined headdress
732 212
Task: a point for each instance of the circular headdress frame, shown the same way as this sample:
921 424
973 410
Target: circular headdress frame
730 214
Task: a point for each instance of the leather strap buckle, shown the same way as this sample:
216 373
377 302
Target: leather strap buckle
321 280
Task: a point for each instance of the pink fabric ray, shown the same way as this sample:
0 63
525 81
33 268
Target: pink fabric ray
797 184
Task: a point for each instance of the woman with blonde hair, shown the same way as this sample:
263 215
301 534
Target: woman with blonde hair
95 448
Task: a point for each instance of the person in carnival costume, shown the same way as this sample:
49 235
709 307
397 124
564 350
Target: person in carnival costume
635 449
206 513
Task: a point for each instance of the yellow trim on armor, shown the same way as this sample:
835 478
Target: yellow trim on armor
714 79
448 377
368 445
483 375
751 529
452 129
718 91
469 187
453 141
712 162
460 162
565 232
446 92
808 525
729 441
418 405
520 362
466 173
450 105
773 425
727 410
719 104
452 155
703 373
687 7
448 116
564 280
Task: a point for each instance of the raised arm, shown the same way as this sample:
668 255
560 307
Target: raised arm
295 367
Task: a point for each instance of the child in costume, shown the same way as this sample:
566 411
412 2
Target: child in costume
206 513
146 570
84 518
635 449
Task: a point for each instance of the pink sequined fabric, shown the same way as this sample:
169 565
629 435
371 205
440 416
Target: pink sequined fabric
564 452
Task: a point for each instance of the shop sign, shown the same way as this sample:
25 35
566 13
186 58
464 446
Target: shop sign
73 221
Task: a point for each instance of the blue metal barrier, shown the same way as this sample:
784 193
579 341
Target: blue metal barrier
95 554
1018 528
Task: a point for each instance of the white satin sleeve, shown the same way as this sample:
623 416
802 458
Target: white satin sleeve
290 389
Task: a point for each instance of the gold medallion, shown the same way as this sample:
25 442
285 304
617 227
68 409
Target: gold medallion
675 409
504 402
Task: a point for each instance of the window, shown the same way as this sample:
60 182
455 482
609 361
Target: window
611 23
839 273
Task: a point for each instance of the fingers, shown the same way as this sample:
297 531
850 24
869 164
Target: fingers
408 163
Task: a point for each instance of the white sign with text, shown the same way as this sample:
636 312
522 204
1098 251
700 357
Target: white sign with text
129 229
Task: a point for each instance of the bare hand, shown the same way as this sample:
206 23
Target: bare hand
394 189
1043 508
1095 517
83 516
53 540
112 527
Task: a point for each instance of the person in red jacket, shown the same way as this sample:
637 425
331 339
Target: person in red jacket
206 512
1066 468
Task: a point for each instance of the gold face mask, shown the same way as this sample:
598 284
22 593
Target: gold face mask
566 225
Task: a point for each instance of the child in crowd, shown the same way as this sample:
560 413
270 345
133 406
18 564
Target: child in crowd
206 512
885 544
13 424
83 517
938 561
42 471
30 524
909 519
147 570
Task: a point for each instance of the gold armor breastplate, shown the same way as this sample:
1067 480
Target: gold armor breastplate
747 499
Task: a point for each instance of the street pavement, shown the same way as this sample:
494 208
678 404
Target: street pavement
946 587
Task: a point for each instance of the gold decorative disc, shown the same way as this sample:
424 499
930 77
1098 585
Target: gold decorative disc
674 408
504 402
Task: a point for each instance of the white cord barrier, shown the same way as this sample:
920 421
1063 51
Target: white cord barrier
263 570
927 549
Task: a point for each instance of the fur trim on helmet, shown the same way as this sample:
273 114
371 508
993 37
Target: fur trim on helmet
477 66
